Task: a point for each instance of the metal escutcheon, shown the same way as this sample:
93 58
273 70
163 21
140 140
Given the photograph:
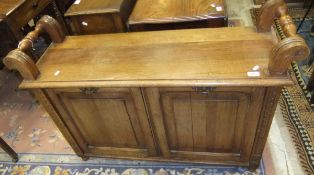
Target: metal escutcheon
89 91
203 90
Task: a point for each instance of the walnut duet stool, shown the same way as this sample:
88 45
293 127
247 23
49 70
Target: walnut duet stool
201 95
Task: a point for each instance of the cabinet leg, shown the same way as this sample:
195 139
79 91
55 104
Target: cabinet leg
85 158
252 168
254 164
15 159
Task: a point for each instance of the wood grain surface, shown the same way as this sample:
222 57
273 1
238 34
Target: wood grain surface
160 11
204 54
94 7
7 6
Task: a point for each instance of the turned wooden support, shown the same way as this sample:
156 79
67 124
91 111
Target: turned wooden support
290 48
19 60
45 24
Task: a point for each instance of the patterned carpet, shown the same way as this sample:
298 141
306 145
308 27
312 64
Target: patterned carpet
43 150
299 118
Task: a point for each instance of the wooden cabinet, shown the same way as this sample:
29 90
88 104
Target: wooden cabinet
199 95
107 121
99 16
202 124
205 123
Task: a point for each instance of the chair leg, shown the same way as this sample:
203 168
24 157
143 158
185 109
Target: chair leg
8 150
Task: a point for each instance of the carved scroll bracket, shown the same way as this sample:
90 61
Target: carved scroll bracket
289 48
286 51
268 14
19 60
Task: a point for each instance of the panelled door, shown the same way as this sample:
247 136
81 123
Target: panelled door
106 121
205 124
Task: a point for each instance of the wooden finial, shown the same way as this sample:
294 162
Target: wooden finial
19 60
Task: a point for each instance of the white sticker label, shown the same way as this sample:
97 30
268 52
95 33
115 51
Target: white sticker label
253 74
213 5
255 68
56 73
77 2
218 8
84 23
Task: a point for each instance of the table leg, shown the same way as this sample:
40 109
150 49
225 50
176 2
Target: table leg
8 150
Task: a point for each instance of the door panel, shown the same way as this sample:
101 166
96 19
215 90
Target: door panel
109 121
203 125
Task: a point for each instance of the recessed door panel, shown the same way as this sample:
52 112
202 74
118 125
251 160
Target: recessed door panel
107 120
204 125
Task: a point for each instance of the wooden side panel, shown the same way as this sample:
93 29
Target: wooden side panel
76 143
110 121
272 95
206 126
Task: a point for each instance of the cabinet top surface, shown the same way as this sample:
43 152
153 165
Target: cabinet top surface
94 7
161 11
7 6
223 56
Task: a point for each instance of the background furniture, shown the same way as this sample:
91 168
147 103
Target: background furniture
294 3
99 16
179 99
163 15
15 14
63 5
7 38
8 150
